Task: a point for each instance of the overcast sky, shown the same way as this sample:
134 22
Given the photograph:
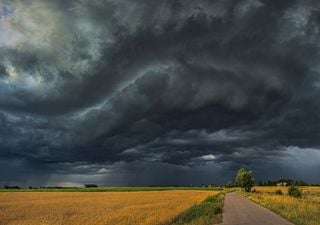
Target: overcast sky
138 92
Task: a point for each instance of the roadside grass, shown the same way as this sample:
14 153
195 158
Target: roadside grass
112 189
301 211
207 212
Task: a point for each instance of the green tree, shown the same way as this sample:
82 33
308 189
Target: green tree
245 179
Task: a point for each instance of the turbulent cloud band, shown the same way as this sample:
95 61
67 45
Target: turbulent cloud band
184 84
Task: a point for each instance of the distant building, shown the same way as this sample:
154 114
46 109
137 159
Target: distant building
282 184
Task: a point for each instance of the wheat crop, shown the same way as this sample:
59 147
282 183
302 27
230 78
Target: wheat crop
96 208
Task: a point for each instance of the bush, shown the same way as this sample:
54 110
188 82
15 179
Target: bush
294 191
278 192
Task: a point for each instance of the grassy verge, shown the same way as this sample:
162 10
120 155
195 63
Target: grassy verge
207 212
111 189
300 211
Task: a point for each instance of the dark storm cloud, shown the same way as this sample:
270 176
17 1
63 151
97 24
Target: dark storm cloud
98 88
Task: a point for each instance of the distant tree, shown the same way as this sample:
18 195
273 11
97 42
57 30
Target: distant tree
12 187
245 179
271 183
90 185
300 183
231 184
33 187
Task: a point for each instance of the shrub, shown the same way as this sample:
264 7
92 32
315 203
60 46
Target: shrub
278 192
294 191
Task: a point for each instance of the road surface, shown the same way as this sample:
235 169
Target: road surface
239 210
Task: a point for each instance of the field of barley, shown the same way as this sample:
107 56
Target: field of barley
96 208
301 211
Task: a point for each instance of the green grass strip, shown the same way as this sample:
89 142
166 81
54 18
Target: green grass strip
207 212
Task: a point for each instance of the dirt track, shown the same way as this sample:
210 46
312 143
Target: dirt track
238 210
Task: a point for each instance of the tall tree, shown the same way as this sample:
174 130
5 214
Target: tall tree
245 179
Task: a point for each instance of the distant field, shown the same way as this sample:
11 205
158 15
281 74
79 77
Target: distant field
110 189
96 208
301 211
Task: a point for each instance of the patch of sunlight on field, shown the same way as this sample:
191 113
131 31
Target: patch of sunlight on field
301 211
95 208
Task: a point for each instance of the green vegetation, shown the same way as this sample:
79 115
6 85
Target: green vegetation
278 192
294 191
108 189
284 182
245 179
300 211
90 186
206 213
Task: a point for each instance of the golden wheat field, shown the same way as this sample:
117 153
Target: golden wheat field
96 208
301 211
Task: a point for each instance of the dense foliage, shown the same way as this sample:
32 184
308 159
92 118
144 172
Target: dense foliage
245 179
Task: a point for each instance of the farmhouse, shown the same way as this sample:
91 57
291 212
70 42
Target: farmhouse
282 184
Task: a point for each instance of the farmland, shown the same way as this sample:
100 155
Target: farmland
146 205
125 208
300 211
109 189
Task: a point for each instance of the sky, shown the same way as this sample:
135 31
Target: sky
158 92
